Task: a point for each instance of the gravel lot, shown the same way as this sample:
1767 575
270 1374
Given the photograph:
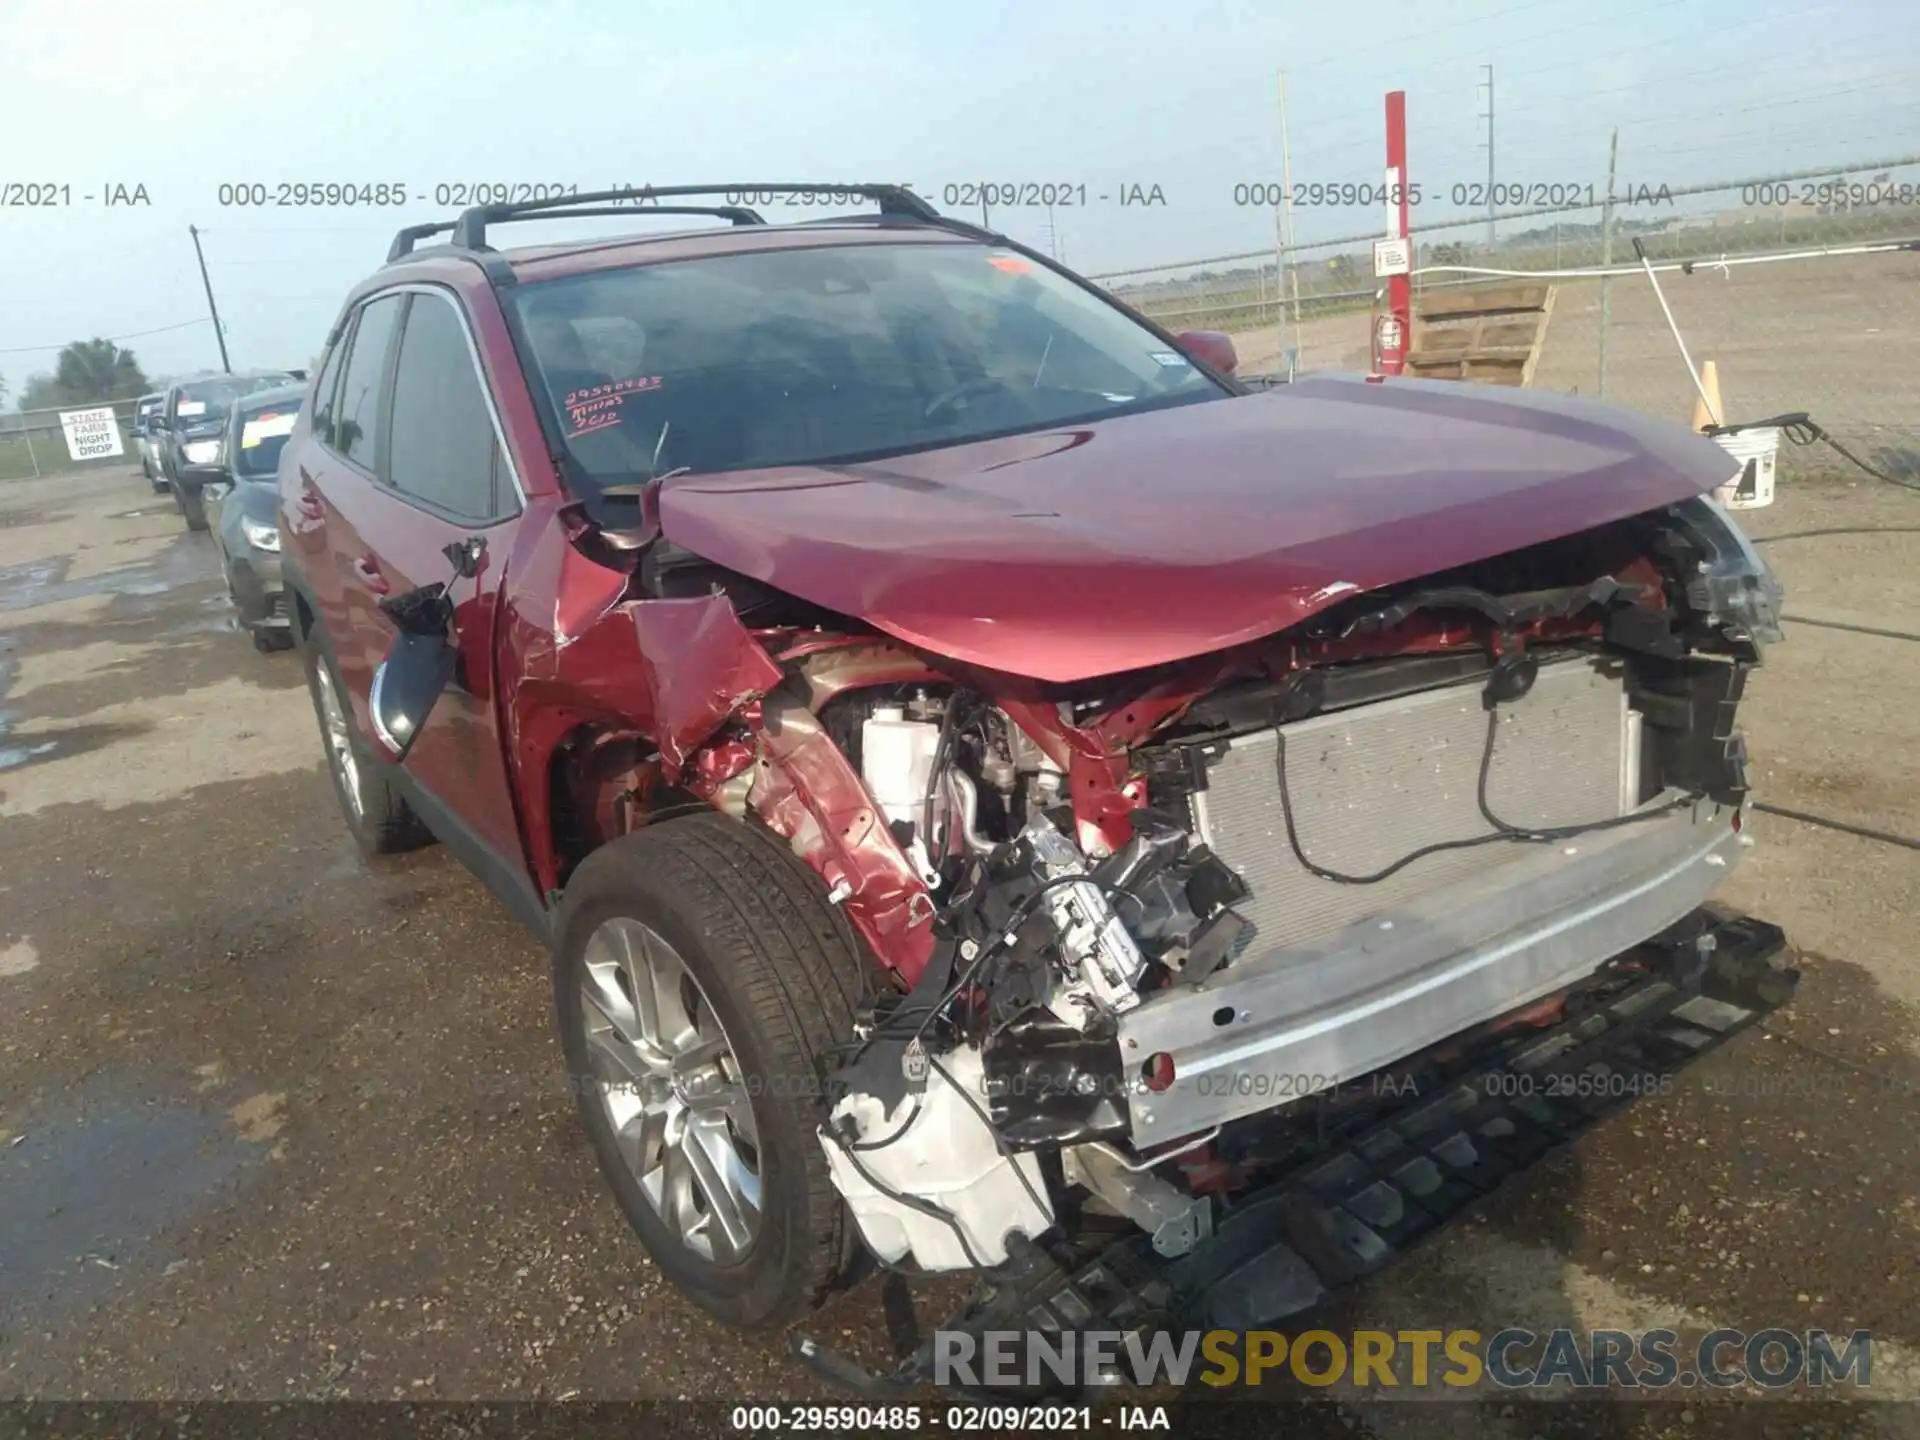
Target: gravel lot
276 1123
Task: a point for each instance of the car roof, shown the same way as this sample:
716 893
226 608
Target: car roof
579 257
260 374
268 399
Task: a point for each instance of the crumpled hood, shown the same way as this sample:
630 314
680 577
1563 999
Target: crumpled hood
1142 539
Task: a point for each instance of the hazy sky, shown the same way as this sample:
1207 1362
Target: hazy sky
184 97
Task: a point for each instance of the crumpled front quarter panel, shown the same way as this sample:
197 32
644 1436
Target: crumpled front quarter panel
701 666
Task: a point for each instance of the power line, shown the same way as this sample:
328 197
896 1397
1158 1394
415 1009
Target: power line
1856 86
1370 137
1425 34
130 335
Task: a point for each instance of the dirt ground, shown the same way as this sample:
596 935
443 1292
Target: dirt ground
1836 337
276 1123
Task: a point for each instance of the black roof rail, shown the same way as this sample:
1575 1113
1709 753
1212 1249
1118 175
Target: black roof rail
403 242
470 230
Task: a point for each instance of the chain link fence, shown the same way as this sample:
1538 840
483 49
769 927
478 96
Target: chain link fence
34 442
1802 288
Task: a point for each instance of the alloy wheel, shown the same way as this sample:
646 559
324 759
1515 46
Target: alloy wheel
673 1090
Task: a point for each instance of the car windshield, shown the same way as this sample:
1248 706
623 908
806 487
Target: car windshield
263 431
832 354
211 399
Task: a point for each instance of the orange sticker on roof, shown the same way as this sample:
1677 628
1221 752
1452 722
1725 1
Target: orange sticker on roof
598 406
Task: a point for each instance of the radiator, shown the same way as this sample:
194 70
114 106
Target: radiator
1369 784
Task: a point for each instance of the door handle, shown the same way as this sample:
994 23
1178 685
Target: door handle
367 571
308 502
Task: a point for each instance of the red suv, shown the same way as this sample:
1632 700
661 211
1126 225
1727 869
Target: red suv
1000 792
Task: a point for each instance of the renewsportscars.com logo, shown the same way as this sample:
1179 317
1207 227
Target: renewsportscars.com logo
1510 1359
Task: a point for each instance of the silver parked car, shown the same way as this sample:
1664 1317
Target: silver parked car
147 442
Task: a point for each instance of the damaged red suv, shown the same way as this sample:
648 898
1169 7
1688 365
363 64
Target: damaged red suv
1003 795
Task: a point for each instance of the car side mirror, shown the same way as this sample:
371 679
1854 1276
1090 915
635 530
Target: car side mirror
1210 348
406 687
420 665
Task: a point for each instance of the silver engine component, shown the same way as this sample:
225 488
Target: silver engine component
1104 963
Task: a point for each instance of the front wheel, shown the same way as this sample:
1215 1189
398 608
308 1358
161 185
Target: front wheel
377 815
701 978
192 505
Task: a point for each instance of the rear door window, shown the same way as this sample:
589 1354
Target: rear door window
360 410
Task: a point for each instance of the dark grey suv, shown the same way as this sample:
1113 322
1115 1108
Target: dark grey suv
192 429
243 510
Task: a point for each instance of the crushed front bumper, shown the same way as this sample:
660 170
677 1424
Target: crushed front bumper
1298 1019
1370 1169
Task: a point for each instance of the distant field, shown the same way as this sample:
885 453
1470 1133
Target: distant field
1836 337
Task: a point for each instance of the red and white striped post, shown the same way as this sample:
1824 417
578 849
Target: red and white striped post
1393 258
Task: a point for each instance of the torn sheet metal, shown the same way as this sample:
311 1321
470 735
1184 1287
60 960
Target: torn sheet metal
701 666
805 789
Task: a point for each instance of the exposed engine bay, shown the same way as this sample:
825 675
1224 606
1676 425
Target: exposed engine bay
1112 1017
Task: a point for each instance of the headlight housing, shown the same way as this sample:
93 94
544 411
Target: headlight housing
201 452
1733 589
261 535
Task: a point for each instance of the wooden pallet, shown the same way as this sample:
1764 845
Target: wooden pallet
1492 334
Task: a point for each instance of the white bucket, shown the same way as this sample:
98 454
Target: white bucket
1755 452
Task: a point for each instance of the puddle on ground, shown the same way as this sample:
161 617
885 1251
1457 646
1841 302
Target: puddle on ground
90 1182
24 585
12 757
223 619
44 582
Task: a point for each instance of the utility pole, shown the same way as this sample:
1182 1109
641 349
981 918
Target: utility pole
1488 117
1393 337
218 333
1606 256
1284 272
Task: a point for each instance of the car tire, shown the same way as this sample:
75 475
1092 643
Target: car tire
780 971
377 815
272 642
192 505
